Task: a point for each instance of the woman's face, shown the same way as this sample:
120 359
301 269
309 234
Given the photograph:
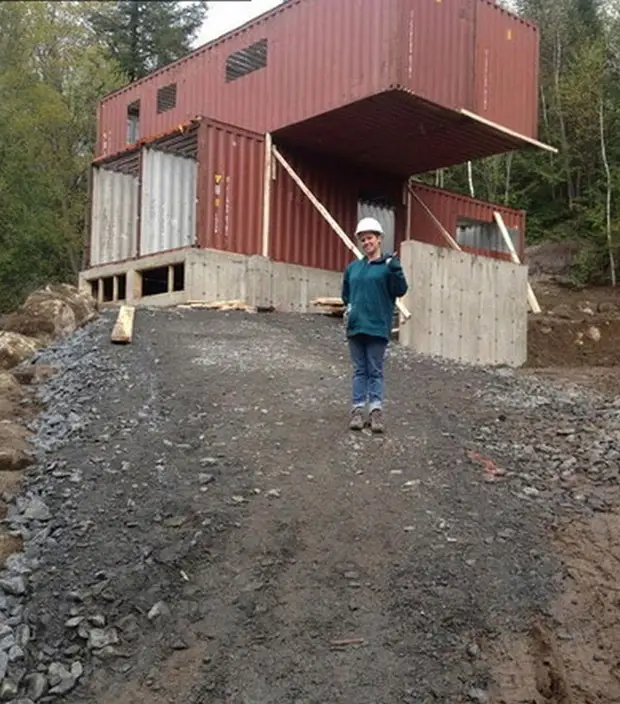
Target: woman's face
371 243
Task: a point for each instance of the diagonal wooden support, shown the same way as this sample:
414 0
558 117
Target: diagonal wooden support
328 218
531 296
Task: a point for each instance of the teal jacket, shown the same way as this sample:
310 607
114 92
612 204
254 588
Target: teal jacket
369 291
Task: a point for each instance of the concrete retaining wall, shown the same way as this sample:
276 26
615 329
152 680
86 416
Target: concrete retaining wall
211 275
464 307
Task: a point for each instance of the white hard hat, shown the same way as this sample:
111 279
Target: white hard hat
368 225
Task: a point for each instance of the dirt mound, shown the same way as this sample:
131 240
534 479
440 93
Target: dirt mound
552 258
15 348
572 655
557 342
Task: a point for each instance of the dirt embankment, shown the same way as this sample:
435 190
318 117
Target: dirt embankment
47 315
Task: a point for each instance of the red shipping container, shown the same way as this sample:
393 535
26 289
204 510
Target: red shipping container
403 67
453 209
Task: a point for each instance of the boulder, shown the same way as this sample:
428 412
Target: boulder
563 311
83 305
9 387
42 317
15 348
14 448
33 374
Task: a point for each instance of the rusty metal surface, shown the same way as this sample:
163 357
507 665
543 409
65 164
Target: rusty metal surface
230 183
299 234
506 73
397 132
323 55
449 208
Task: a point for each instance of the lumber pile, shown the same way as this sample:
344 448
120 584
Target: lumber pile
220 305
329 305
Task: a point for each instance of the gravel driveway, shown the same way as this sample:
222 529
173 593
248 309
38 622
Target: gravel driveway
202 527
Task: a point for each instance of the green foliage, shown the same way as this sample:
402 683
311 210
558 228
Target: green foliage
54 68
143 36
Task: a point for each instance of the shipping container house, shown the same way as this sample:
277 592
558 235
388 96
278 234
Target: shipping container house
200 189
400 86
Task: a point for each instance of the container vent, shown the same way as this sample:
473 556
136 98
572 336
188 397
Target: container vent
167 98
246 61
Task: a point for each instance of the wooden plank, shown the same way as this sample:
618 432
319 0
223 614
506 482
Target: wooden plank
531 296
220 305
446 235
267 177
122 333
327 301
328 217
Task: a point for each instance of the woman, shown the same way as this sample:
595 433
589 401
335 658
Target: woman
370 288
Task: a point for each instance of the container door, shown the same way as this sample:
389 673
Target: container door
385 214
168 215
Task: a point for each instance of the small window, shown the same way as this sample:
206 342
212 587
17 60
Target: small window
246 61
167 98
484 235
133 122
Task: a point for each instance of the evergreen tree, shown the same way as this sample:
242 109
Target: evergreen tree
144 36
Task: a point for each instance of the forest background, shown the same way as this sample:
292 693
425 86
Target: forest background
57 59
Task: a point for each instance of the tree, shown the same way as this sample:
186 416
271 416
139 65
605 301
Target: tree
144 36
51 75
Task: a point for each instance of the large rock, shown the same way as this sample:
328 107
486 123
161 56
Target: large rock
9 387
83 305
15 348
15 451
43 317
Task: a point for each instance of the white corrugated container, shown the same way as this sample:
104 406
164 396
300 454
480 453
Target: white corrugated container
114 217
168 214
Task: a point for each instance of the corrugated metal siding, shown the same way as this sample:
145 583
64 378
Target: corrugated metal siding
114 211
507 50
439 51
321 54
230 188
448 208
168 212
299 234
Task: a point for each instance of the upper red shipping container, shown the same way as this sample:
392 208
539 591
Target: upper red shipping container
309 58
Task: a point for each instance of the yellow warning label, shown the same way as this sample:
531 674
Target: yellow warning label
218 178
509 34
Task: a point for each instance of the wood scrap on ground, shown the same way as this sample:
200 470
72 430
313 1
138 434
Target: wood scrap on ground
329 305
346 641
122 332
220 305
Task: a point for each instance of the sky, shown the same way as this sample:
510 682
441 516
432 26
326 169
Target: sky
225 15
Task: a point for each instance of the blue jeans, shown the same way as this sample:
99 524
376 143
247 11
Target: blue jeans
367 355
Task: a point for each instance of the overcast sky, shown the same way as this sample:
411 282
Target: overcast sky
225 15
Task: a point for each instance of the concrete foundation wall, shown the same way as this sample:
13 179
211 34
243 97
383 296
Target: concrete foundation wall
211 275
464 307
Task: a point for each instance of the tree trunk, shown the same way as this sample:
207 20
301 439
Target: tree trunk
507 180
610 248
558 98
470 179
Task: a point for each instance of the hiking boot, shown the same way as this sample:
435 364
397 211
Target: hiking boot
376 421
357 419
